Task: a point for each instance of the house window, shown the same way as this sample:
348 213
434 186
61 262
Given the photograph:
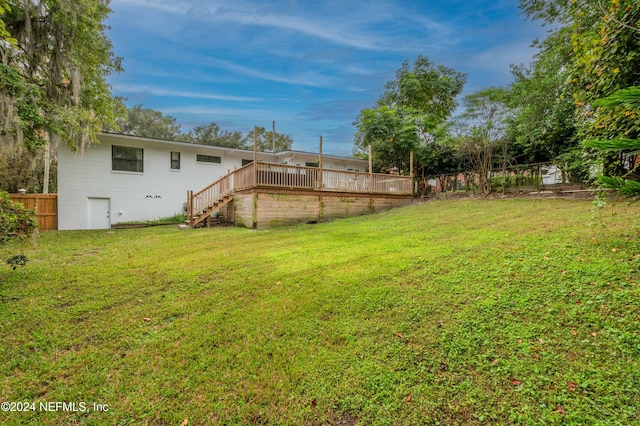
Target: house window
245 162
126 159
175 160
312 164
213 159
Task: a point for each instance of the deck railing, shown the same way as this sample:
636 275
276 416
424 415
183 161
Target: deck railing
243 178
285 176
300 177
294 177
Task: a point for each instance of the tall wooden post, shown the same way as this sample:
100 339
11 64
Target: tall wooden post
411 164
320 166
255 178
189 207
411 171
255 155
370 171
273 136
320 201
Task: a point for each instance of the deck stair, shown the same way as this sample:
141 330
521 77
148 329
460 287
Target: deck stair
205 216
206 202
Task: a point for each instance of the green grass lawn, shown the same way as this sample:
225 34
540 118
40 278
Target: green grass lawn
448 312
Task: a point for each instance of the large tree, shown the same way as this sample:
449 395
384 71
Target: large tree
4 34
409 113
55 58
606 48
481 137
211 134
604 58
392 134
20 170
268 141
426 87
541 97
150 123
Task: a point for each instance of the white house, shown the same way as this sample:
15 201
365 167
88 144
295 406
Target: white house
129 178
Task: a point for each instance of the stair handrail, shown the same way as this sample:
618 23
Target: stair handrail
210 195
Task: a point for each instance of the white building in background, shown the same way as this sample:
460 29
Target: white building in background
552 175
129 178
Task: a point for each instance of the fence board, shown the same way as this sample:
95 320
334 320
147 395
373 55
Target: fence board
45 205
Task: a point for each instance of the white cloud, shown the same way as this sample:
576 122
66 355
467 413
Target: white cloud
327 29
214 111
349 24
308 78
174 7
239 115
159 91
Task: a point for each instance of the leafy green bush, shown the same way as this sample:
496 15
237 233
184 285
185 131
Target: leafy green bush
625 103
500 183
16 222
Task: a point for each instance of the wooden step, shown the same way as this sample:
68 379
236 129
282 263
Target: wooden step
202 217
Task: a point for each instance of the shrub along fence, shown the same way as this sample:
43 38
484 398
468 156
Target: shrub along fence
45 205
528 177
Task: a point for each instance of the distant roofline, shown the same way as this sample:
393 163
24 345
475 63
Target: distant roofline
244 151
317 155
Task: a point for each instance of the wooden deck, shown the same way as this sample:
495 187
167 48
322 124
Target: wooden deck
265 194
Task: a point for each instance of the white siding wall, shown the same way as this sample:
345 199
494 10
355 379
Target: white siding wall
155 193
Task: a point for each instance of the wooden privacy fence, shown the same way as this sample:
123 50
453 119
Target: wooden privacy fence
45 205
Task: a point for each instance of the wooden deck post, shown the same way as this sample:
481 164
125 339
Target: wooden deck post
411 164
370 171
254 214
320 166
411 171
320 202
189 206
255 155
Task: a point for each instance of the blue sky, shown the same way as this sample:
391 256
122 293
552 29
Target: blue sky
309 65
